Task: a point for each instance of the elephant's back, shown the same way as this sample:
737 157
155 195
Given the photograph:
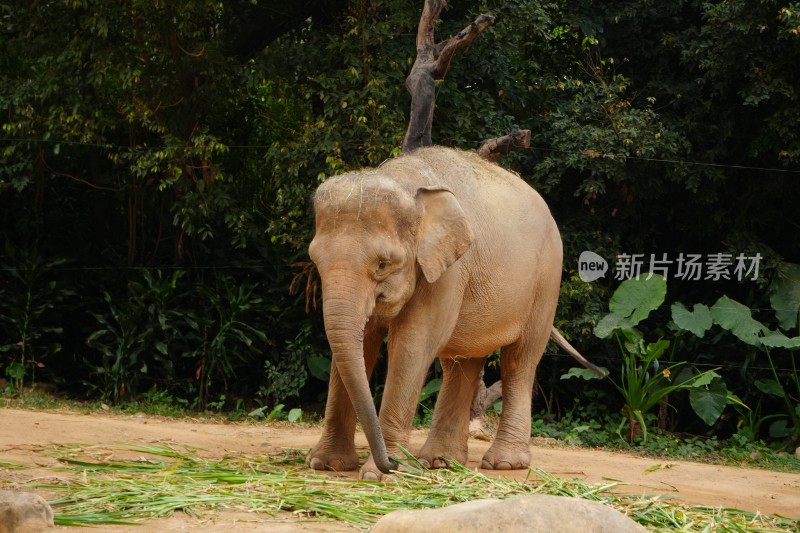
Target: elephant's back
497 201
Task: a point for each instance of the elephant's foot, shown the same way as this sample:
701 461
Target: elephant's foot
441 456
339 459
507 458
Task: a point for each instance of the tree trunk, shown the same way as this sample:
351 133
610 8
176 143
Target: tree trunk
431 64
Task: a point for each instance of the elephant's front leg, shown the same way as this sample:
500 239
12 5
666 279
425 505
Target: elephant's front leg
406 371
336 449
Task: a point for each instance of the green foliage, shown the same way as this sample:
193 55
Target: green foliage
592 425
737 319
285 377
631 303
697 321
165 331
427 399
278 413
785 297
643 383
136 336
224 335
30 300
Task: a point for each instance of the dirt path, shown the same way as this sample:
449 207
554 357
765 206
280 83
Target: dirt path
25 437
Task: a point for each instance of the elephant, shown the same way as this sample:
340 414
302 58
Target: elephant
442 254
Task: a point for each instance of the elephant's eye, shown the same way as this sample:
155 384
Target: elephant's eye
383 265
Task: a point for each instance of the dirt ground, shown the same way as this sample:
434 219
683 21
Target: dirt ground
26 436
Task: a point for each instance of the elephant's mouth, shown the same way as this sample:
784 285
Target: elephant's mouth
386 307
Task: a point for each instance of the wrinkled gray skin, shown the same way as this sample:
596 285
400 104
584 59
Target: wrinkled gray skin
449 256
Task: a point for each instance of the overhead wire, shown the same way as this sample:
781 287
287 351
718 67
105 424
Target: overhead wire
599 155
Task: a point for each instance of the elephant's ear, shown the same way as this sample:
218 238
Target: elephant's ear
443 234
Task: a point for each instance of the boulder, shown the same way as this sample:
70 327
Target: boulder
532 513
24 512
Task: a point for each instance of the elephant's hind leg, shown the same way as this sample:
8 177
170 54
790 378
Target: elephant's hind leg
511 447
449 432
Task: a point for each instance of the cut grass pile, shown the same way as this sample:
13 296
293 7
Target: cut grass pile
98 491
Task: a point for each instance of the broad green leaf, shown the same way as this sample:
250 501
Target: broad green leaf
785 297
635 299
705 378
276 413
15 370
609 323
683 376
780 429
736 318
634 338
295 415
777 339
656 349
257 413
430 388
320 367
580 372
709 401
770 386
698 321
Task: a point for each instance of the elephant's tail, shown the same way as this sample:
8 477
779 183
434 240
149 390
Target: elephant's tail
559 339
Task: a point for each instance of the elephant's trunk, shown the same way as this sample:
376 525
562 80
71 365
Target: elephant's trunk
347 305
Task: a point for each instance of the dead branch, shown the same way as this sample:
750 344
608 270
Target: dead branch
308 270
485 398
431 64
494 149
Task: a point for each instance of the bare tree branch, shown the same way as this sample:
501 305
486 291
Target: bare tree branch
431 64
485 398
494 149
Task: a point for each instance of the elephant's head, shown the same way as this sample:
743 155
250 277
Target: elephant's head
374 238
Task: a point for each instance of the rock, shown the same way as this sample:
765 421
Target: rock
24 512
537 512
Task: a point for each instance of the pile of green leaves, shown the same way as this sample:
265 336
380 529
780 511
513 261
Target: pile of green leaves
102 492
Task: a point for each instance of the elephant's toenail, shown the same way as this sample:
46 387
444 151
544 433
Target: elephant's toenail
369 476
316 464
441 462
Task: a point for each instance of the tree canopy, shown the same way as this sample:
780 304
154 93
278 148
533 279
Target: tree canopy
157 160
